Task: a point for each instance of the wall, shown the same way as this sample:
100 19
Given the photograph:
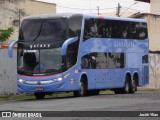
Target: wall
155 7
154 71
154 31
8 13
35 7
7 72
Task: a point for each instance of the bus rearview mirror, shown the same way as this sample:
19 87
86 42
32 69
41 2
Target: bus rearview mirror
66 43
10 49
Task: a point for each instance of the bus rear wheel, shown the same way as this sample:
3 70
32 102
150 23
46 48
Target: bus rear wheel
83 89
133 86
39 95
125 89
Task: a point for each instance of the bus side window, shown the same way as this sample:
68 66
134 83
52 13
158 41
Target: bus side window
72 53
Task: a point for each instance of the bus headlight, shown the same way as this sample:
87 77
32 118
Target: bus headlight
21 80
60 78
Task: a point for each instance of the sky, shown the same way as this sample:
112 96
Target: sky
105 6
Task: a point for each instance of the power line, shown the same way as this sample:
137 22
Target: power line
83 8
129 8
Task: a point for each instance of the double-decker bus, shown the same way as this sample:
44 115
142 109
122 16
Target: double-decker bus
81 53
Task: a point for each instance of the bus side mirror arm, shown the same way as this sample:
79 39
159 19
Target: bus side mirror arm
10 49
66 43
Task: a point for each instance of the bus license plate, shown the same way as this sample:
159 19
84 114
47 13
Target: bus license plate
39 89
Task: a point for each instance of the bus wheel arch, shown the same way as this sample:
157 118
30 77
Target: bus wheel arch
83 87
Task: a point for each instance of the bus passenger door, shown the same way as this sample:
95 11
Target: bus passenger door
71 60
145 70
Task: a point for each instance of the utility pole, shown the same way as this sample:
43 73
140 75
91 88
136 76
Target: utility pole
118 10
98 10
19 17
20 13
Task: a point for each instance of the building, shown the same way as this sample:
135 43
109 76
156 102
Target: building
154 9
153 21
13 11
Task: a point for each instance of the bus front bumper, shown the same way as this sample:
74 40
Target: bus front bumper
28 86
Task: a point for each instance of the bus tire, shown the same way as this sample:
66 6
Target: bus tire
126 87
83 89
133 86
39 95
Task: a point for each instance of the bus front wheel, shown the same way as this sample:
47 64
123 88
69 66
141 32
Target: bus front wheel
39 95
83 89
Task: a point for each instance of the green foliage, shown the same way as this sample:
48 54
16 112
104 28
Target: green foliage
5 34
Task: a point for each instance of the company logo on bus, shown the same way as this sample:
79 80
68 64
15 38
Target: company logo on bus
40 46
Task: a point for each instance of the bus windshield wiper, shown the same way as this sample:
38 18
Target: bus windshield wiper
39 31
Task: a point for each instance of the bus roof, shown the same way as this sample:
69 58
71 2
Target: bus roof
51 16
68 15
114 18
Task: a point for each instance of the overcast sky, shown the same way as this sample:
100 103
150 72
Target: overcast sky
105 6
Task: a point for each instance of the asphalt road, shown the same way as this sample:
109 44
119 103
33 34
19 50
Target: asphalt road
146 101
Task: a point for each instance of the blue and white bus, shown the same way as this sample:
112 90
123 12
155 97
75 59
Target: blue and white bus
81 53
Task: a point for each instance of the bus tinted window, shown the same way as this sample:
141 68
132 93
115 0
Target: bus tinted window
74 27
30 29
102 28
103 60
33 29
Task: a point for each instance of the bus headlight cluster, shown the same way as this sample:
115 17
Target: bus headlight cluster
21 80
60 78
43 82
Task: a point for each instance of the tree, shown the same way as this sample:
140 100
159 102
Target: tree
5 34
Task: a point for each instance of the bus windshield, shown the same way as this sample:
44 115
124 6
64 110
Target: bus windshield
43 29
43 61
